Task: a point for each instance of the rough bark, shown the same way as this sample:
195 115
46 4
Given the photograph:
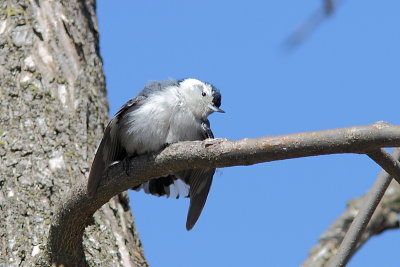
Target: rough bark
384 218
53 112
76 209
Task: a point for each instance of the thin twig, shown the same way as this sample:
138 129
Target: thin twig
312 22
388 162
372 200
384 218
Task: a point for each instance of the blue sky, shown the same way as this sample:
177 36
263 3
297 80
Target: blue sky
346 73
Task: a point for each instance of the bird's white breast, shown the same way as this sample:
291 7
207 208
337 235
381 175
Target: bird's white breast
162 119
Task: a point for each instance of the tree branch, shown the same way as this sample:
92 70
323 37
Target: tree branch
312 22
65 240
357 217
372 199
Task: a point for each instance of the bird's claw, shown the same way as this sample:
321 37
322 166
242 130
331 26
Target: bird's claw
213 141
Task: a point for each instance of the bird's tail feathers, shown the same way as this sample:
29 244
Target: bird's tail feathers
200 182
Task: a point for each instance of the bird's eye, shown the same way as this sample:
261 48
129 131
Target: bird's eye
203 94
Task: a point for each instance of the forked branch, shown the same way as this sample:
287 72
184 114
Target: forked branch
363 217
65 241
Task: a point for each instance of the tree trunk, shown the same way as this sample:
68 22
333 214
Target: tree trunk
53 112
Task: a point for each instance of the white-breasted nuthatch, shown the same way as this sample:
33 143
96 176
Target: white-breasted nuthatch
164 112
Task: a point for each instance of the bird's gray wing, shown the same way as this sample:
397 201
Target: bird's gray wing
110 149
200 181
156 86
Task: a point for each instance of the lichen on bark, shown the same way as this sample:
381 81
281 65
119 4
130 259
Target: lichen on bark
53 111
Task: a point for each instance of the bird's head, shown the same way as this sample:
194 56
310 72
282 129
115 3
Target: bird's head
200 97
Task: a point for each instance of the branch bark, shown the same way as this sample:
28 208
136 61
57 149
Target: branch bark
372 199
385 217
75 212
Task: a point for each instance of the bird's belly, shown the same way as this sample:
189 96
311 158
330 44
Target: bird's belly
143 131
182 132
144 134
145 139
183 127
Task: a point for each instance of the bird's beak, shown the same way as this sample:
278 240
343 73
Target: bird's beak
215 109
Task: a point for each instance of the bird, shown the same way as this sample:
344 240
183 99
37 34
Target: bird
163 113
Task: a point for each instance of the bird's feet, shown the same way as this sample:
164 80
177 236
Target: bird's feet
213 141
